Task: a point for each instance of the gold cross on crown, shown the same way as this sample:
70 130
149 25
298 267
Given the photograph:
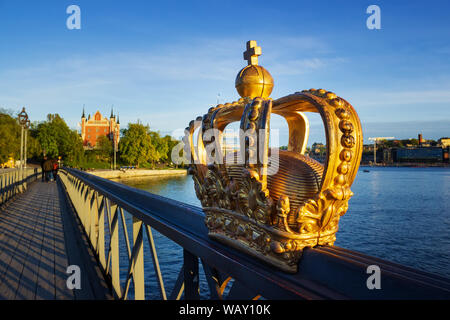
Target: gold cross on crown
252 53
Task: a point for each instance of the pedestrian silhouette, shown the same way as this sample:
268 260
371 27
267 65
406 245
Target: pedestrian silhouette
48 168
42 168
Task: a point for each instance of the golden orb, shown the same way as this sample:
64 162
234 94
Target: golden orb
254 81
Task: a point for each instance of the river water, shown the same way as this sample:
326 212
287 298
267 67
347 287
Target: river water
397 214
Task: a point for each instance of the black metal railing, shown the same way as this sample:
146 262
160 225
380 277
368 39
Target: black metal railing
15 181
324 272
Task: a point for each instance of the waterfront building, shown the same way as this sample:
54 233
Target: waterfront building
94 127
387 155
421 154
318 152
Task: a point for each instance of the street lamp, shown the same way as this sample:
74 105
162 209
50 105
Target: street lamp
24 124
27 126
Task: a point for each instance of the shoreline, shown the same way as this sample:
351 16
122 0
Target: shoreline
118 174
408 165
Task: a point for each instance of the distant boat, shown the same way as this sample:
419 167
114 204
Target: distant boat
365 170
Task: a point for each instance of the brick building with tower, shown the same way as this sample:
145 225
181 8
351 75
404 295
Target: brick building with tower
94 127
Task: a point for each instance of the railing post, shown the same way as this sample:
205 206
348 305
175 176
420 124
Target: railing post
101 207
2 188
8 186
89 219
20 181
114 247
14 183
24 180
84 190
159 277
191 276
138 272
93 214
84 204
77 197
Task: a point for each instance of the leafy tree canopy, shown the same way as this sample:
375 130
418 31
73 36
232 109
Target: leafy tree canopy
136 144
57 139
9 136
105 148
141 146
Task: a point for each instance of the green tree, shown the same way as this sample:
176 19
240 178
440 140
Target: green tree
57 139
171 143
9 136
47 139
105 148
136 146
75 155
163 147
34 149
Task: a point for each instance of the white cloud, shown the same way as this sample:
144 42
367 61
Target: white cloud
178 75
169 85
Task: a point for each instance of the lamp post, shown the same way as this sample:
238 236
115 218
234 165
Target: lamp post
24 123
27 126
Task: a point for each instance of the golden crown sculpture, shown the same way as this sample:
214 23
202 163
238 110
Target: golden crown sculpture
273 216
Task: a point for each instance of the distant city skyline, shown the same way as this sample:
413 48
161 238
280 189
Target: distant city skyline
166 63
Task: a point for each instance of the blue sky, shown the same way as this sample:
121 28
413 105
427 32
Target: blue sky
164 62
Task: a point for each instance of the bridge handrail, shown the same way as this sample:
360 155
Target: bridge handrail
15 181
324 272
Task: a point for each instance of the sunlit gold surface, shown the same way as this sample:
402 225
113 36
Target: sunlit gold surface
253 80
252 53
274 216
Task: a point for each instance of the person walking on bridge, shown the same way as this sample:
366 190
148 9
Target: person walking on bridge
48 167
55 168
42 168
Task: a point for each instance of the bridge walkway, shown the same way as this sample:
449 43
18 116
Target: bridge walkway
40 237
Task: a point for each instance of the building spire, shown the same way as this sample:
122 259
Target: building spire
83 116
112 113
118 121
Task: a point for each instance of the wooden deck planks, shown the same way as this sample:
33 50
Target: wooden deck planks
46 272
61 259
15 241
28 282
38 240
